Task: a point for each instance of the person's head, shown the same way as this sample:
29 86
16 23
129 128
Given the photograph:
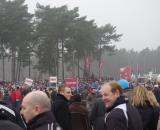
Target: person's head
139 96
110 92
33 104
123 83
65 91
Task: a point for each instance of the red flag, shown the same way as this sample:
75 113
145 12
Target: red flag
87 63
125 72
101 67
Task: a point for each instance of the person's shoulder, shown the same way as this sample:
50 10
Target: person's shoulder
8 125
116 116
116 113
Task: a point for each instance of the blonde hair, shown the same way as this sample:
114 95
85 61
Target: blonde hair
141 95
152 99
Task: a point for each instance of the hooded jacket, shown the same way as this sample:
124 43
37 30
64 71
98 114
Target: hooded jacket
7 112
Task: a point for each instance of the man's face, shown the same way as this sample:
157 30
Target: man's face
108 96
67 93
27 110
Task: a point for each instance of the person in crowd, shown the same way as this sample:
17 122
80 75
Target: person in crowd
156 91
53 94
61 107
13 97
97 115
147 106
79 114
8 125
8 112
36 110
127 92
120 115
18 98
91 98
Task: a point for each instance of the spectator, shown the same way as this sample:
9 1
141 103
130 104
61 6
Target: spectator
36 110
8 112
8 125
61 107
97 115
156 91
120 114
13 97
91 98
147 106
79 114
18 97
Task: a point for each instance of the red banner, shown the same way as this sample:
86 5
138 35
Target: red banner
71 82
87 63
126 72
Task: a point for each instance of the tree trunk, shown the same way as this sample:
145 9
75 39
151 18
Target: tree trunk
3 67
19 70
62 60
29 67
13 65
57 61
78 65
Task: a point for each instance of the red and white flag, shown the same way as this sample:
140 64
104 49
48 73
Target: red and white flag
126 72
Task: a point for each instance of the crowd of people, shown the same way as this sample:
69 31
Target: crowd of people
113 105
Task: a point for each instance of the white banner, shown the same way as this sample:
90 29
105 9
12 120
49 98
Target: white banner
28 81
53 79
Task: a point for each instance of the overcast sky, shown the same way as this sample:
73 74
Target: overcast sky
137 20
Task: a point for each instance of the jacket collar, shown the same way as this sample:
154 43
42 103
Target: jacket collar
120 100
41 119
61 97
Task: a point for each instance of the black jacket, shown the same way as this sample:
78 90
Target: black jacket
156 92
7 112
149 116
97 115
44 121
116 119
61 111
8 125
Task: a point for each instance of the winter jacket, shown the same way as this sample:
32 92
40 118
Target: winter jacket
119 119
44 121
79 117
97 115
8 125
149 116
156 92
61 111
7 112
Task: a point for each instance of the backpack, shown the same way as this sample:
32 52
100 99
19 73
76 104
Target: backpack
132 116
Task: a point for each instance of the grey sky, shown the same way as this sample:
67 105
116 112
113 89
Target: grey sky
137 20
